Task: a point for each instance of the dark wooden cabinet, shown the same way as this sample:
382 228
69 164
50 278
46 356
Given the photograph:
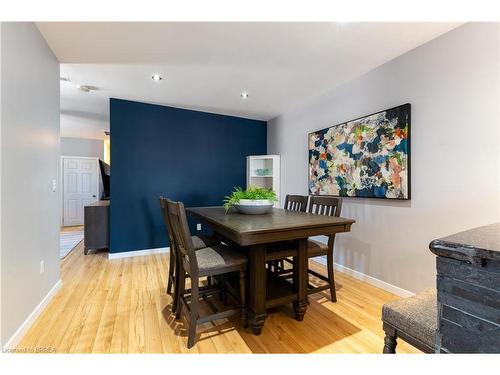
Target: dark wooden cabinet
468 284
96 226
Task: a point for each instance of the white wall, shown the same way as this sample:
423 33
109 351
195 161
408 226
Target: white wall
1 307
29 125
82 147
452 83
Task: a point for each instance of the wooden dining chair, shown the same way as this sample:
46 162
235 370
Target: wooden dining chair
292 203
320 205
296 202
199 242
329 206
217 260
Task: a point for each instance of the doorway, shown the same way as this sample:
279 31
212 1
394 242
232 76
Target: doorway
80 187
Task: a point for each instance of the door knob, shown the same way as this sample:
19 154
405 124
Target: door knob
93 196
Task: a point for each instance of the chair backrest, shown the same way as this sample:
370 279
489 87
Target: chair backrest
328 206
296 202
168 227
182 237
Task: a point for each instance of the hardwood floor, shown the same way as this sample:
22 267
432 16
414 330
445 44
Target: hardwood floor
120 306
72 228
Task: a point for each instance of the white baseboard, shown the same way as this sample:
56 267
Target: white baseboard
21 331
349 271
370 279
138 253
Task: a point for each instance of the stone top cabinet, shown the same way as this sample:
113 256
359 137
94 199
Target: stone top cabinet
468 284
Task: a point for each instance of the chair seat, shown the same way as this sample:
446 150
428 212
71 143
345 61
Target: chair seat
203 240
280 250
285 248
415 316
316 248
213 259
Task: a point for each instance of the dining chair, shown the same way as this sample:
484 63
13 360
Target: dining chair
328 206
292 203
296 202
199 242
218 260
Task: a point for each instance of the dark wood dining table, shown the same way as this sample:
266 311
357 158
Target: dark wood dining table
253 234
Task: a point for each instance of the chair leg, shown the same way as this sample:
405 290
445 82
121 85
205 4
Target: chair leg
193 313
390 340
224 289
244 314
221 285
171 273
271 266
175 296
331 277
179 292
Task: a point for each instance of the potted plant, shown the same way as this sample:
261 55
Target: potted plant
254 200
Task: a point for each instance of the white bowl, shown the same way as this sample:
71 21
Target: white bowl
255 202
254 206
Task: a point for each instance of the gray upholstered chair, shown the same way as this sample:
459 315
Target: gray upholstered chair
412 319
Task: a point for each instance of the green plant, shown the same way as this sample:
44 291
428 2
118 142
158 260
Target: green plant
252 192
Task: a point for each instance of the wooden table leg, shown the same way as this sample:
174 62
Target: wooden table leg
300 279
257 266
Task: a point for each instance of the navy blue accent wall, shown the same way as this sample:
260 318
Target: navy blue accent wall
191 156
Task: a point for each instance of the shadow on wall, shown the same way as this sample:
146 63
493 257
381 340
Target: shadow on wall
377 202
352 251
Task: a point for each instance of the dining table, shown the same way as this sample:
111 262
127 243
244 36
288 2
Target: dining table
256 235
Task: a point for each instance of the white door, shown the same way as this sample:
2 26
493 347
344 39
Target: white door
80 188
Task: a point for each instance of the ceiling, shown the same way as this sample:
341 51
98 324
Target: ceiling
205 66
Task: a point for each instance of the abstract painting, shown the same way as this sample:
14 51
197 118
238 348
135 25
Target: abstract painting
368 157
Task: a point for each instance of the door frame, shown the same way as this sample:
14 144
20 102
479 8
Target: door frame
98 176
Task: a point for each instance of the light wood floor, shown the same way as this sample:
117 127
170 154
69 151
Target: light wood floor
121 306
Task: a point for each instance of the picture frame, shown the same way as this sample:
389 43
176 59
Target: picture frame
368 157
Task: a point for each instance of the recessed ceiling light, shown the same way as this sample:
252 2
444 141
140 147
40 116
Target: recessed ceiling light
82 88
87 88
156 77
244 95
